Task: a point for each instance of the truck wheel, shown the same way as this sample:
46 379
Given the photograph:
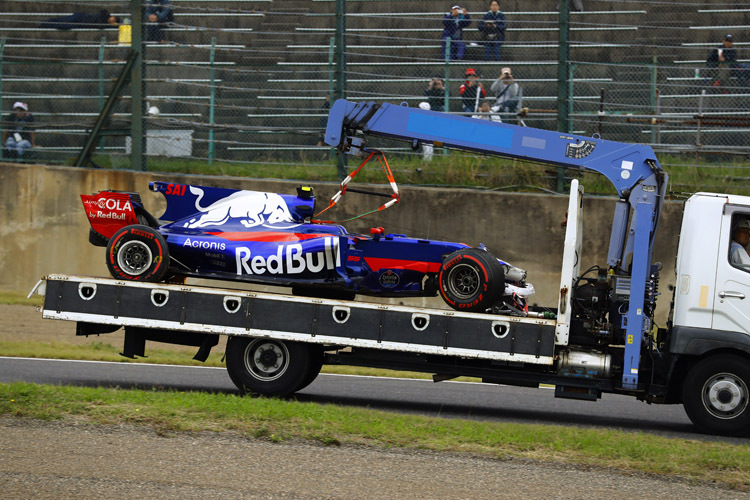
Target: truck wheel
316 363
471 280
266 366
716 397
137 253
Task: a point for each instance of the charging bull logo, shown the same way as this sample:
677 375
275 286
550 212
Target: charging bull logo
255 209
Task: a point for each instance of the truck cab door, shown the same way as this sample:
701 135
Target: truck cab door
732 291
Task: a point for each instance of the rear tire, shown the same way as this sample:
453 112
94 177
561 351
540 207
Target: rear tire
267 367
316 364
716 395
471 280
137 253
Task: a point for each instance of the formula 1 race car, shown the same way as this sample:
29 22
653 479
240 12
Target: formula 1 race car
270 238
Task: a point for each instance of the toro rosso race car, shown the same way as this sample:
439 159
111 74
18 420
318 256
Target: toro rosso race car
270 238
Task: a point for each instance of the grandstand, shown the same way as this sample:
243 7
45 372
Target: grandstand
271 68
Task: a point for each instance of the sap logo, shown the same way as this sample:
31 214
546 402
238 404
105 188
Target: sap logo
289 259
110 204
253 208
205 245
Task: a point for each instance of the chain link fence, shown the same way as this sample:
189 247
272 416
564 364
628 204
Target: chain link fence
250 81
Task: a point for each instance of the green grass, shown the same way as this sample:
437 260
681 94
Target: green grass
281 420
18 298
688 172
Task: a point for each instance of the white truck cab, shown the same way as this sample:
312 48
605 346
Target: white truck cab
710 331
712 292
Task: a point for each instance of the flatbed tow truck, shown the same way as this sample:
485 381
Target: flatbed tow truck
600 339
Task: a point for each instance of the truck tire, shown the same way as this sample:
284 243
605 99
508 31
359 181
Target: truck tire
471 280
716 397
316 364
137 253
267 367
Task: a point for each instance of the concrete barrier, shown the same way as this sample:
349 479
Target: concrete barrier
43 228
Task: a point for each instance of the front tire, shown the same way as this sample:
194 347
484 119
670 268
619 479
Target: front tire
716 395
267 367
471 280
137 253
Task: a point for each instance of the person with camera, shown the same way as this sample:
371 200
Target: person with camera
508 95
492 28
435 93
454 23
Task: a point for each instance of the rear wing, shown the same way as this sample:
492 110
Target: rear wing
108 211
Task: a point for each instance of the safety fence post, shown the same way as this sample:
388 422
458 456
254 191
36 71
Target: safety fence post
563 86
340 72
2 51
212 103
447 86
102 46
652 94
137 122
331 50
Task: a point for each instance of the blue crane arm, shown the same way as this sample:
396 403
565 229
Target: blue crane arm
632 169
625 165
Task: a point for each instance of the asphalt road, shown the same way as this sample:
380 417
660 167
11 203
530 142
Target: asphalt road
446 399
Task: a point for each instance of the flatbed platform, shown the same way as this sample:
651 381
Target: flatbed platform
194 310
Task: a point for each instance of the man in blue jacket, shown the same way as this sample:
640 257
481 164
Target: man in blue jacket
158 13
454 23
492 28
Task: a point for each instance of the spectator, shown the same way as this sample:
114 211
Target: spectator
18 131
508 95
158 14
472 91
92 20
722 62
454 23
492 28
435 93
486 113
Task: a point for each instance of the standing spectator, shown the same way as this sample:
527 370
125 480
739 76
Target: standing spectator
92 20
492 28
158 14
508 95
486 113
472 91
435 93
454 23
18 131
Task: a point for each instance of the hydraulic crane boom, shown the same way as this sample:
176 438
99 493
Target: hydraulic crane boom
632 168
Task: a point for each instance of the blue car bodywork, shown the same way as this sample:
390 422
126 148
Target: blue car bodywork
259 237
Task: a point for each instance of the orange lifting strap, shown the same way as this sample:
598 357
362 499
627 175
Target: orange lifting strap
395 197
